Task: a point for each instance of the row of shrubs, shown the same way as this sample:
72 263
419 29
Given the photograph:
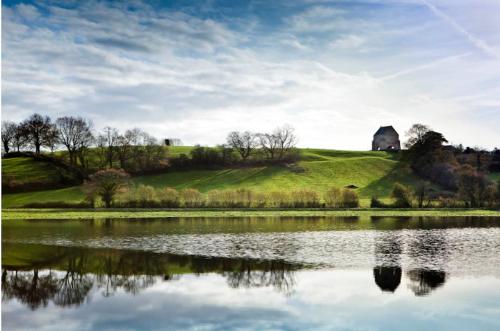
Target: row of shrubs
403 197
145 196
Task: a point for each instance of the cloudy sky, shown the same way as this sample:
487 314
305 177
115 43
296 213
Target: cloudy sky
334 70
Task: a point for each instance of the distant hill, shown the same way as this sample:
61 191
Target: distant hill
373 173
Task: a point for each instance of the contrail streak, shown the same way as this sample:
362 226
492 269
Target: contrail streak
479 43
422 67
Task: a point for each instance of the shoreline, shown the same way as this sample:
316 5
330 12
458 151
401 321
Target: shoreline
137 213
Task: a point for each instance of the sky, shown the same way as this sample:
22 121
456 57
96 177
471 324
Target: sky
196 70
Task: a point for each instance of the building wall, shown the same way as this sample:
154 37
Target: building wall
386 142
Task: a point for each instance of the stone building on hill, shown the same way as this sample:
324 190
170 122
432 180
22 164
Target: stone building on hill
386 139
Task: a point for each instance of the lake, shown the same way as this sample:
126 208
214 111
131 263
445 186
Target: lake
278 273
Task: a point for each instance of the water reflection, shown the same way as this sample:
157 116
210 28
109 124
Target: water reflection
130 271
67 275
84 259
278 274
428 248
387 271
423 281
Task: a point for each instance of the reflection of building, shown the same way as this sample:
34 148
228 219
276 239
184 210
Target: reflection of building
387 278
387 271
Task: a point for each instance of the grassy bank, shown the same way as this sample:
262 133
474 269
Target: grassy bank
374 173
169 213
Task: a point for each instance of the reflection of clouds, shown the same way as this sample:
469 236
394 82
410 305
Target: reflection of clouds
323 299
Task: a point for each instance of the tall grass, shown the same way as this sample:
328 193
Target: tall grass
144 196
192 198
169 197
341 198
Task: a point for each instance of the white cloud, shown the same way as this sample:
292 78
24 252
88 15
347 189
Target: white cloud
195 78
347 42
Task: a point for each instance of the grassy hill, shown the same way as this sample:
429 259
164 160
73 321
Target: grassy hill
374 173
26 171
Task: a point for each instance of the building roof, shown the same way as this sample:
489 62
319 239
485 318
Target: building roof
386 129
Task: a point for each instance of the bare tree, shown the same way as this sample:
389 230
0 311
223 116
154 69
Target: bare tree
108 139
127 145
134 139
123 149
416 134
38 131
148 152
19 140
269 144
243 142
74 133
9 130
286 140
153 151
52 138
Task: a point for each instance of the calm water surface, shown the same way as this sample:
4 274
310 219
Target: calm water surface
291 273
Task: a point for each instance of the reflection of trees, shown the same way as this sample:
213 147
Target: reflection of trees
277 274
73 289
423 282
387 271
30 288
130 271
132 284
429 251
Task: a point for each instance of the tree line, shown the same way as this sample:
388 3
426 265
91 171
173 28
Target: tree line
462 172
135 150
244 148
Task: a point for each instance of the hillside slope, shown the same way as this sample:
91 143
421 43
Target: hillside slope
373 173
27 173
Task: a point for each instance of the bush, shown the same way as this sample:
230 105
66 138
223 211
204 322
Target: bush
376 203
402 196
107 183
169 197
192 198
145 196
259 200
90 194
474 187
216 199
341 198
333 197
350 198
278 199
448 202
304 198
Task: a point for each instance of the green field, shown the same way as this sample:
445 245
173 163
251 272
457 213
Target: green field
374 173
40 214
25 170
